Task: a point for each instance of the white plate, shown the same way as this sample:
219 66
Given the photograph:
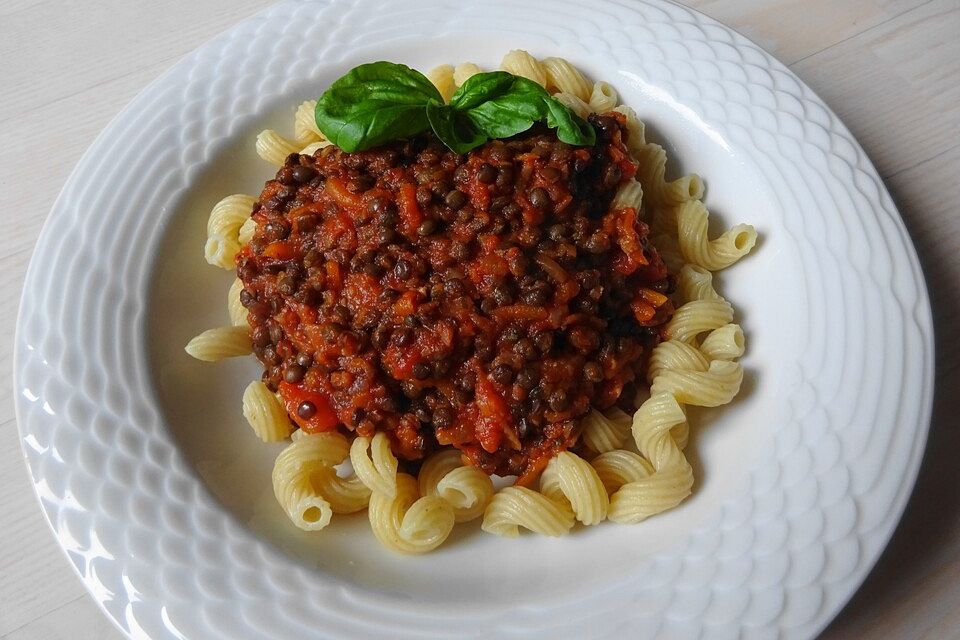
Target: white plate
161 496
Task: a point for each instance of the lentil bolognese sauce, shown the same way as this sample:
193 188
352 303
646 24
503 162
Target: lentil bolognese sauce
485 300
451 277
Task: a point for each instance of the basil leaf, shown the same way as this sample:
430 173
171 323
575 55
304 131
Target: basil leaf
382 101
375 103
512 112
570 127
454 130
508 115
481 87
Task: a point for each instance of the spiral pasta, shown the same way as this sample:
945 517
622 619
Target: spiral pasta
718 253
725 343
521 63
696 283
672 477
219 343
274 148
293 483
344 495
604 432
711 388
238 313
305 130
651 167
628 195
698 316
570 478
618 467
223 226
574 103
466 489
247 229
563 77
464 71
674 354
313 147
603 97
515 507
409 524
442 79
265 413
380 472
228 214
636 130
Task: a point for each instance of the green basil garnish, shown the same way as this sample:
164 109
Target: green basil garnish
382 101
452 128
570 128
375 103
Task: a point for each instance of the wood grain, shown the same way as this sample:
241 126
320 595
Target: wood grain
889 68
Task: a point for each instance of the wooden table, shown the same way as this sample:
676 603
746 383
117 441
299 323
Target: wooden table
890 68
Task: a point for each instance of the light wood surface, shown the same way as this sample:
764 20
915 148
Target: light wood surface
890 69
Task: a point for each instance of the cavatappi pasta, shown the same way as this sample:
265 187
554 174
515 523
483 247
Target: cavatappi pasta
265 413
219 343
629 467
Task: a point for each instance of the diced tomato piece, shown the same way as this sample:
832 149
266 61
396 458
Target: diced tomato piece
280 250
494 414
643 311
515 312
325 419
337 189
410 212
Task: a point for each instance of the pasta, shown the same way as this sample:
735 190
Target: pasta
605 432
521 63
463 72
313 147
710 254
574 103
265 413
293 478
672 477
636 131
563 77
698 316
466 489
696 283
228 214
617 467
442 79
344 495
696 364
629 195
571 478
305 130
247 230
515 507
603 98
407 524
380 472
711 388
274 148
223 227
238 314
725 343
675 354
651 166
219 343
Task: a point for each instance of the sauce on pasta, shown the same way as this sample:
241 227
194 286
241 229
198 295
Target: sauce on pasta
484 301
